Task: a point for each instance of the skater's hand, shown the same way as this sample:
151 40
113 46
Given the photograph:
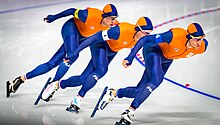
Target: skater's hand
49 18
126 63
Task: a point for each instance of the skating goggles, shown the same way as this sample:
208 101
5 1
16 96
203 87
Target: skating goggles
112 18
146 32
199 38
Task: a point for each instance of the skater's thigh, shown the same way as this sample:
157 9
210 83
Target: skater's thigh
58 56
100 61
69 28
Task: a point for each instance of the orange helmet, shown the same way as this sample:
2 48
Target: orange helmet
109 10
195 30
144 23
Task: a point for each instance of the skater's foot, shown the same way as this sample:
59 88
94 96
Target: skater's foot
75 105
77 101
49 91
16 83
127 116
123 122
109 96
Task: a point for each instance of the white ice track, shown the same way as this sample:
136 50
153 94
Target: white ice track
26 41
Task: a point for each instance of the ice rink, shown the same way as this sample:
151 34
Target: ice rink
27 41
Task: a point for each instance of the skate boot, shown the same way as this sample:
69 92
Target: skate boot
75 105
15 84
12 87
108 97
49 91
126 116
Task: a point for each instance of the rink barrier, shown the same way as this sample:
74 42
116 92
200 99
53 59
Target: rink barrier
140 59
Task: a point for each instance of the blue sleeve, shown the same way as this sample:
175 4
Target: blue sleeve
166 37
96 38
114 32
141 42
83 14
65 13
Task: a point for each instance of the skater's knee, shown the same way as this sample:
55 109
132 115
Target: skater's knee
151 87
101 71
68 28
156 80
50 65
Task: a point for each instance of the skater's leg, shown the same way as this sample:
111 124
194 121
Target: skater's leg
128 92
100 62
156 67
70 82
71 38
131 92
39 70
155 74
74 81
155 77
64 66
89 69
46 67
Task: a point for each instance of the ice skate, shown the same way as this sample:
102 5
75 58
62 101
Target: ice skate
126 118
49 91
97 107
75 105
12 87
122 122
40 95
108 97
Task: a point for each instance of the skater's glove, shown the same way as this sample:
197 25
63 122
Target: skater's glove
127 61
50 18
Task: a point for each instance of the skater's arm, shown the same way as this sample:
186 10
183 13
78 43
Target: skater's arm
77 13
99 37
129 59
89 41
